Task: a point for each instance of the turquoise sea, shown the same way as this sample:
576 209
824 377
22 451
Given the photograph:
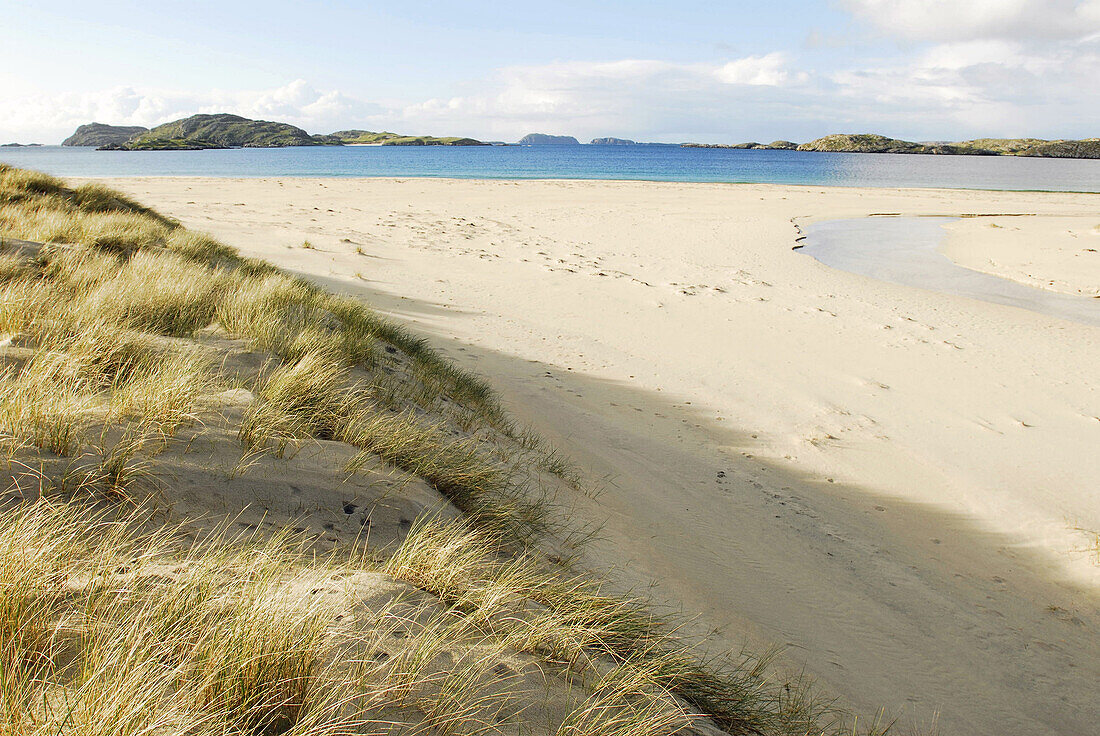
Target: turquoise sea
643 163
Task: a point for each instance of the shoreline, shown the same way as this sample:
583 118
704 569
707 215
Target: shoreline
917 252
517 180
871 474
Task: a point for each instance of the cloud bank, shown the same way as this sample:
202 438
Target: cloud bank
966 20
955 70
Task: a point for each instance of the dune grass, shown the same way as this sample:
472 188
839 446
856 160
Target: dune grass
576 622
111 623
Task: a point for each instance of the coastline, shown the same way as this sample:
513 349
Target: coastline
584 163
834 448
562 180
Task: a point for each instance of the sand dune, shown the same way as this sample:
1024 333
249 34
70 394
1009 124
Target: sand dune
886 479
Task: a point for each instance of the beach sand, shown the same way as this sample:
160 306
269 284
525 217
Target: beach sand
1057 253
884 479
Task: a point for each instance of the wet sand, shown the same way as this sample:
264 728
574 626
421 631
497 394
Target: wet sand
907 251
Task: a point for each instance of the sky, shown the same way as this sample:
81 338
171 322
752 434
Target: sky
666 71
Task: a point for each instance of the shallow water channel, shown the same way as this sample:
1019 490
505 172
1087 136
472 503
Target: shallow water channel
905 250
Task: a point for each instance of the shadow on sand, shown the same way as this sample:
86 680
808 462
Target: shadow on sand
886 602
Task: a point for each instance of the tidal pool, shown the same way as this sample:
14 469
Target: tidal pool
905 250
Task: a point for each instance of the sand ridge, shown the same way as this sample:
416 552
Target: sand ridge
884 478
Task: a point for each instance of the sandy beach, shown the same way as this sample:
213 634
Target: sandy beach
1057 253
890 482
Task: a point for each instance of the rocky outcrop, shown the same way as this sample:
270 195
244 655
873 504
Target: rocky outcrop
95 135
542 139
740 146
1002 145
751 145
861 143
1087 148
1033 147
219 131
874 143
385 138
612 142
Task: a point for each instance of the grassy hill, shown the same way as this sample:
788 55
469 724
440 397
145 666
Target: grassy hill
239 504
98 134
200 132
542 139
1034 147
351 137
873 143
1087 148
218 131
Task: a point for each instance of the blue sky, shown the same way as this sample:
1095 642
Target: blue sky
665 71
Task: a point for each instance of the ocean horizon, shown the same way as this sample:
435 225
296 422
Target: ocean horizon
582 162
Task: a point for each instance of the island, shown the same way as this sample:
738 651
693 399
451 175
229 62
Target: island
612 142
220 130
385 138
95 135
752 145
1031 147
20 145
542 139
875 143
224 130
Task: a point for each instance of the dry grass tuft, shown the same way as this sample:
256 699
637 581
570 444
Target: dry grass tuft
160 293
45 403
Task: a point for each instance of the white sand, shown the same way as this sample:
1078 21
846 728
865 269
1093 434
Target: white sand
884 478
1049 252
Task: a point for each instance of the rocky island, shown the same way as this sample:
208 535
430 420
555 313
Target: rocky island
751 145
542 139
874 143
385 138
223 130
95 135
1035 147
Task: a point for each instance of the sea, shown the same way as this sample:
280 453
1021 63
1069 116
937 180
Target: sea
635 163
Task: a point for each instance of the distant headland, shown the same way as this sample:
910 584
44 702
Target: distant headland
542 139
873 143
222 130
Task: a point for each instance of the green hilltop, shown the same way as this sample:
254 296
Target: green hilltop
1032 147
875 143
99 134
222 130
385 138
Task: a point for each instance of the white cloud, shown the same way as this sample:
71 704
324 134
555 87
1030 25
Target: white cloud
49 118
954 89
633 97
984 87
953 20
768 70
